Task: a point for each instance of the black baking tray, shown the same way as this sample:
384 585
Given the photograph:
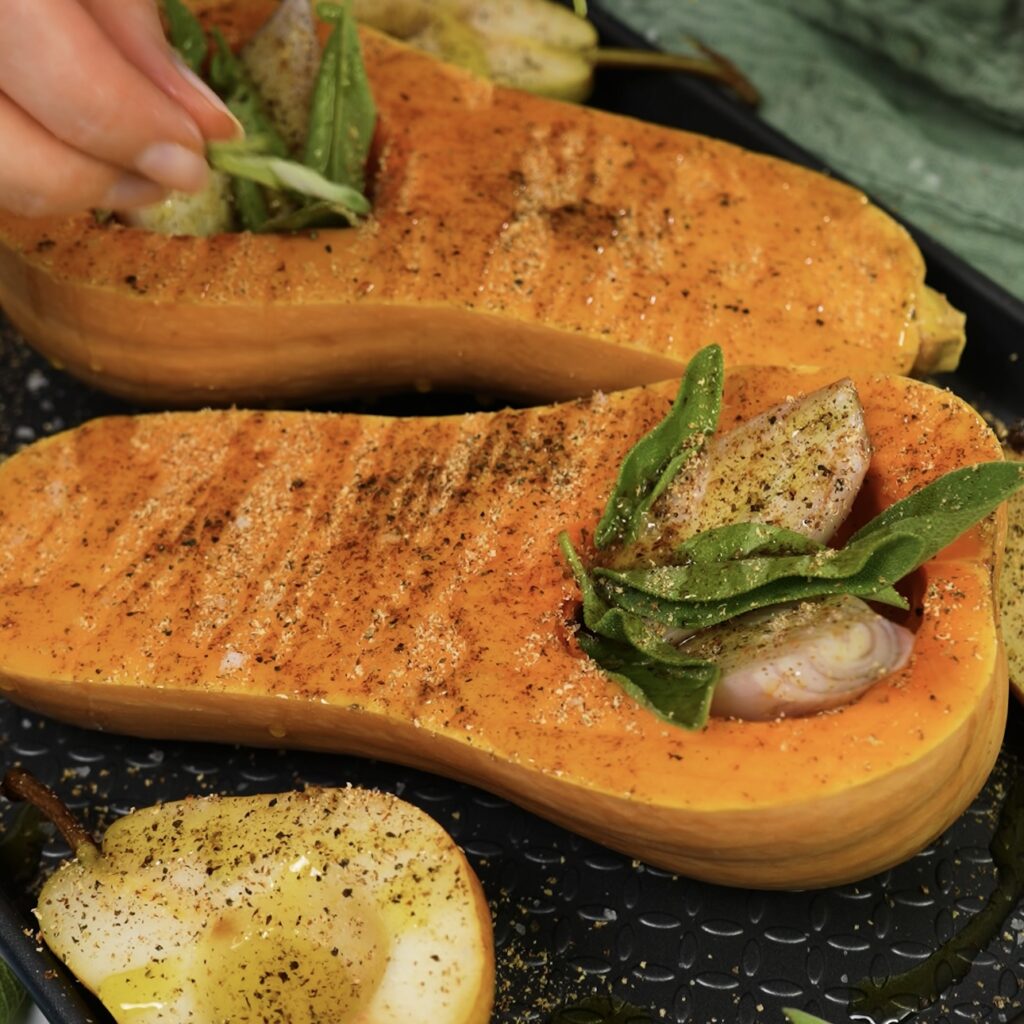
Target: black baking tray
580 930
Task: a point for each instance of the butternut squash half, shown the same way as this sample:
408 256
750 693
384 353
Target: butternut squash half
517 244
394 588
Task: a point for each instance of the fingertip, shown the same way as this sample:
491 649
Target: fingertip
206 108
173 166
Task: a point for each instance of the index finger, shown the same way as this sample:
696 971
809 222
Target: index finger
59 67
135 29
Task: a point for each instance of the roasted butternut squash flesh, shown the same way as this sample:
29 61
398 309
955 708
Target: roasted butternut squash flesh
393 588
517 244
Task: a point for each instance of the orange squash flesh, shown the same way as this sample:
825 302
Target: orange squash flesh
393 588
517 244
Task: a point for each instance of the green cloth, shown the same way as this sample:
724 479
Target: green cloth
919 102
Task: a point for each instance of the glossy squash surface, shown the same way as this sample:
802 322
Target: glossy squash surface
517 244
393 588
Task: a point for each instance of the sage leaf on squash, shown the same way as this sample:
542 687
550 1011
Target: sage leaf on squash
944 509
343 115
233 83
678 690
229 77
653 462
675 686
699 593
744 540
276 173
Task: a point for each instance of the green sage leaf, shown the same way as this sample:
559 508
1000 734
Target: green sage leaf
744 540
233 83
633 652
235 86
678 693
594 606
313 214
947 507
656 458
343 115
864 569
275 173
305 181
704 592
186 33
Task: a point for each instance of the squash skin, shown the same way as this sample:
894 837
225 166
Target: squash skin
1011 586
396 591
518 244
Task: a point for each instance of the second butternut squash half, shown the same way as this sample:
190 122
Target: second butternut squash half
394 588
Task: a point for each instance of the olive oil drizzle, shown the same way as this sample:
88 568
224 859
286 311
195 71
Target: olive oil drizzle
951 963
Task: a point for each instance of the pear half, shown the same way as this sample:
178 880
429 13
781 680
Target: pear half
329 905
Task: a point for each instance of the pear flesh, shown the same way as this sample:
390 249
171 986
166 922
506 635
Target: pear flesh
326 905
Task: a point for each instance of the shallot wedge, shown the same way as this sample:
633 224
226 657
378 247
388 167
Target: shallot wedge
801 658
283 58
798 464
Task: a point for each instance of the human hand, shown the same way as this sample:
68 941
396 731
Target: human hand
96 109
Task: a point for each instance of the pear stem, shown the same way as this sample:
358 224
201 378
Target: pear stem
711 65
19 784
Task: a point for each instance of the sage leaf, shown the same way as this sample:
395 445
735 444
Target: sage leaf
233 83
304 180
947 507
186 34
343 115
314 214
594 606
676 692
894 544
286 175
744 540
863 569
235 86
675 686
656 458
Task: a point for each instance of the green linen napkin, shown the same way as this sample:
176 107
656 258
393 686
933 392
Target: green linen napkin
920 103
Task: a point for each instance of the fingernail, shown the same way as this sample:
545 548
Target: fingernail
173 166
239 133
199 86
129 192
